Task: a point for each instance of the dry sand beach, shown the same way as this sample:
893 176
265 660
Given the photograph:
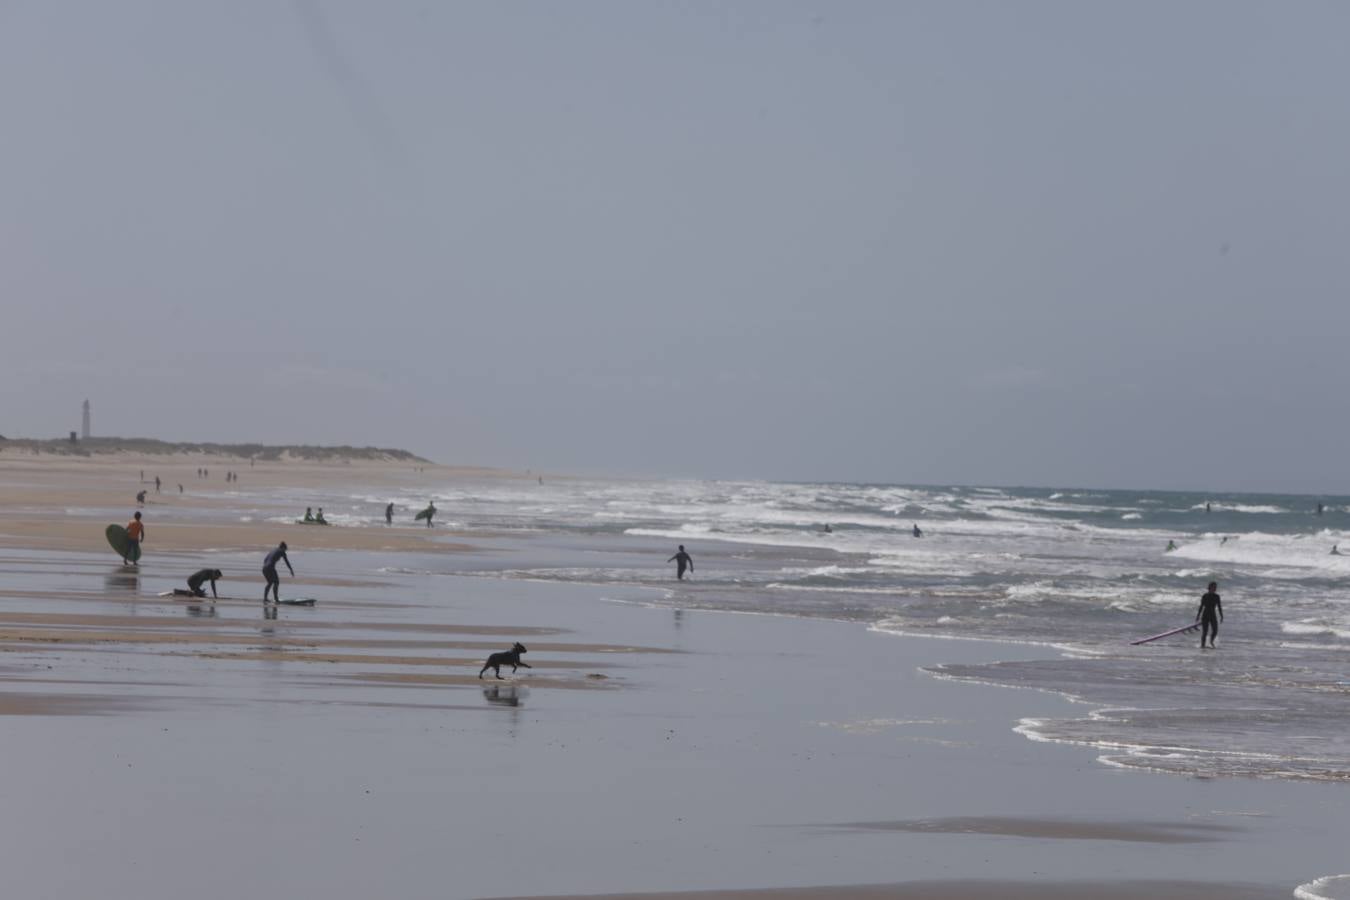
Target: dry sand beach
160 747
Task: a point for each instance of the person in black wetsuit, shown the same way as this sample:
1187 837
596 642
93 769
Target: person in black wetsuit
198 578
270 571
917 532
389 514
682 561
1209 615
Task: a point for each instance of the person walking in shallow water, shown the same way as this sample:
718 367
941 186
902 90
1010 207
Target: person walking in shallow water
682 561
1209 615
389 514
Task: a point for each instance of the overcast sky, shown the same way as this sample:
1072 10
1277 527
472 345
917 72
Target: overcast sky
1069 243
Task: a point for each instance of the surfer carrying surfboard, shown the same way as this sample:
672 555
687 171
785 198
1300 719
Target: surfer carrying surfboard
1209 615
135 534
270 572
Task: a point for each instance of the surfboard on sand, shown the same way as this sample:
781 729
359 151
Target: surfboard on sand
1183 628
120 541
184 594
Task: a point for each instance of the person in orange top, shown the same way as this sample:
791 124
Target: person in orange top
135 531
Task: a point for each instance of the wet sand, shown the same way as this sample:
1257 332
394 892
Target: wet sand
349 750
975 890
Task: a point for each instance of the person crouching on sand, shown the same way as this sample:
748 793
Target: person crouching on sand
198 578
270 572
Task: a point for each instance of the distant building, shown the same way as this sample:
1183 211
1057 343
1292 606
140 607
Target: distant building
84 432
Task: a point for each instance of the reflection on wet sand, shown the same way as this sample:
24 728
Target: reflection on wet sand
505 694
198 611
123 578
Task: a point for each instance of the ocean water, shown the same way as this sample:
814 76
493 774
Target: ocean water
1081 571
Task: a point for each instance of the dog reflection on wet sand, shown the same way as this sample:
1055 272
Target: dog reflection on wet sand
504 694
506 658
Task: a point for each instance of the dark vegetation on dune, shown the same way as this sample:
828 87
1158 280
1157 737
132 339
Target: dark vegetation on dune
95 446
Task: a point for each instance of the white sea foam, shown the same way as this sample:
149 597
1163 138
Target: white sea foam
1339 628
1328 887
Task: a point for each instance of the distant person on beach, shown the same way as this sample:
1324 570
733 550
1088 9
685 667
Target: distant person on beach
431 512
682 561
200 577
156 484
270 571
136 534
1206 507
140 497
318 517
1209 615
180 489
1224 541
309 514
917 532
389 514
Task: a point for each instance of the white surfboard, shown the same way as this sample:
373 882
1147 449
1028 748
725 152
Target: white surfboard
1190 627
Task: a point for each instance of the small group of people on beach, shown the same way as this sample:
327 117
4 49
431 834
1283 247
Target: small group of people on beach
271 579
313 518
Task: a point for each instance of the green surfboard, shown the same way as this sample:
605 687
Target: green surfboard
120 541
424 514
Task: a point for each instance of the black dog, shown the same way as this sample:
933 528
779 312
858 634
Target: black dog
505 658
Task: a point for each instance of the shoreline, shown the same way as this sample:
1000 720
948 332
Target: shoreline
648 748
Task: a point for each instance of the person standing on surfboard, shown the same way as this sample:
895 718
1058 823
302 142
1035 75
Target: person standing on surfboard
135 534
1209 615
682 561
270 572
197 579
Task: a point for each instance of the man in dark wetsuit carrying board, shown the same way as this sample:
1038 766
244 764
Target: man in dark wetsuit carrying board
682 561
270 572
200 577
1209 615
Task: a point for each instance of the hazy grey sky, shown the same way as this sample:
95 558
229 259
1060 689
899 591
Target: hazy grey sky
1055 243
